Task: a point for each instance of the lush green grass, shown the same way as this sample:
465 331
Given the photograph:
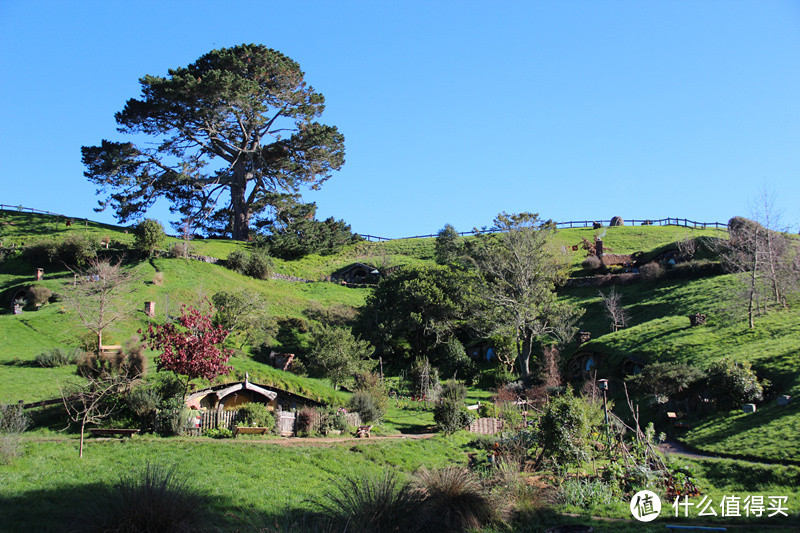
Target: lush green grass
770 434
249 482
660 331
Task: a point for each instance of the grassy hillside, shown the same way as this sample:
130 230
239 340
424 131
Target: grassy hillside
659 329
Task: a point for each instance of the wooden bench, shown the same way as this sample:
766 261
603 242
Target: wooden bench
363 432
104 432
241 430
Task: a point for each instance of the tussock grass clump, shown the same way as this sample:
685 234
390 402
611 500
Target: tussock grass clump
158 498
13 422
451 499
370 503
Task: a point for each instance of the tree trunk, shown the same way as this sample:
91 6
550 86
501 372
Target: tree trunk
80 446
240 211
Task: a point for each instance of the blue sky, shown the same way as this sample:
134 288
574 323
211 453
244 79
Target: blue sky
452 111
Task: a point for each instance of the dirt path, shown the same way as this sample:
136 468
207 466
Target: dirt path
676 448
324 441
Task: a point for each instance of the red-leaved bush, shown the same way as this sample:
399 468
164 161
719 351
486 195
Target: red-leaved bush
189 347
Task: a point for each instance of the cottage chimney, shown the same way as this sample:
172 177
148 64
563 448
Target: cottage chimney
150 308
598 247
39 274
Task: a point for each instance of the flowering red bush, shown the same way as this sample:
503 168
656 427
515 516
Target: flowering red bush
189 347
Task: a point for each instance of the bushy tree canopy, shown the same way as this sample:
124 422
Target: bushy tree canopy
229 136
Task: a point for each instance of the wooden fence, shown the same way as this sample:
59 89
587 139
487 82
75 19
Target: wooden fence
486 426
683 222
227 419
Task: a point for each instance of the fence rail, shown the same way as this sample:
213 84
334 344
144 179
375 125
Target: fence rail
684 222
29 209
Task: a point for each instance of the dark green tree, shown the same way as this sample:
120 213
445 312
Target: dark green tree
148 235
418 309
448 246
230 136
339 356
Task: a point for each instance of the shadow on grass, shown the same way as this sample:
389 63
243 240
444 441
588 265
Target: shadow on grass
70 507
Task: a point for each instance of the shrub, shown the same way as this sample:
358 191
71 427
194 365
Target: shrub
365 405
157 498
332 419
260 265
13 422
651 271
256 415
451 499
257 264
564 429
451 415
237 261
148 235
58 357
454 361
592 262
584 493
734 383
142 402
218 433
306 421
370 503
76 250
454 390
38 295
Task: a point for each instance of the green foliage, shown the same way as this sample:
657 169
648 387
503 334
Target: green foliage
255 414
564 428
75 250
448 247
365 405
339 356
257 264
243 312
451 415
39 294
584 493
58 357
13 422
665 380
191 110
417 308
305 235
218 433
453 361
148 235
521 268
734 383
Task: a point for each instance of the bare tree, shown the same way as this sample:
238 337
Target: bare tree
100 296
88 402
763 258
614 309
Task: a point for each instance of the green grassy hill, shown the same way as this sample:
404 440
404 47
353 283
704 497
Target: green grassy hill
659 328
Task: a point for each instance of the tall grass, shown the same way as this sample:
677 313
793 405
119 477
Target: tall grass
157 498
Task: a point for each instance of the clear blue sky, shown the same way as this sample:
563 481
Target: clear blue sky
452 111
